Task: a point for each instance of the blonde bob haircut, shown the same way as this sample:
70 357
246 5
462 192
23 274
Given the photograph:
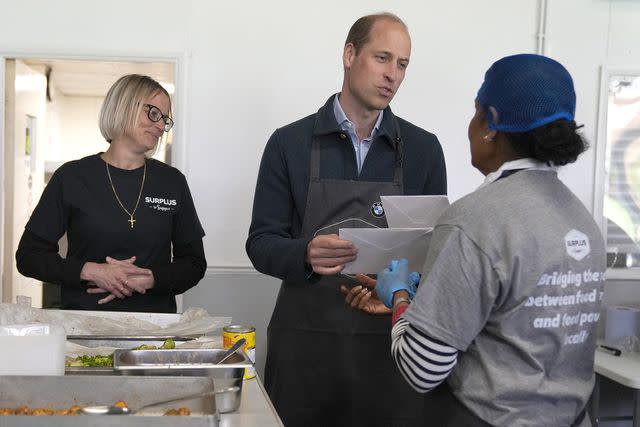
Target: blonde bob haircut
123 103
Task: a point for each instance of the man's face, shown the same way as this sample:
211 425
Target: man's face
373 76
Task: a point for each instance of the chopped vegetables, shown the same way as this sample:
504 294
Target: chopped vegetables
102 360
92 361
169 344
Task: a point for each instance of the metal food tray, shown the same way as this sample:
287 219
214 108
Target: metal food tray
66 391
178 363
91 370
152 361
189 362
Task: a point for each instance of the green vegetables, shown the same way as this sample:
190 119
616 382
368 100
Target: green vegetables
102 360
168 344
92 361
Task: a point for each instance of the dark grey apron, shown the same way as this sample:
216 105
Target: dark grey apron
327 363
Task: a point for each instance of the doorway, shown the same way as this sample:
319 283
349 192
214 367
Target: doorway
51 109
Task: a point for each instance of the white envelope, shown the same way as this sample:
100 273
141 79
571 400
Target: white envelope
413 211
378 246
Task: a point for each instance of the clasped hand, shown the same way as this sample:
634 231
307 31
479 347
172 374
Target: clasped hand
118 278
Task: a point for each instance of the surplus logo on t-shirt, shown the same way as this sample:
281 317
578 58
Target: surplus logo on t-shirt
161 204
577 244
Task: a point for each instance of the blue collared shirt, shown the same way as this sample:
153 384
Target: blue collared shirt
361 147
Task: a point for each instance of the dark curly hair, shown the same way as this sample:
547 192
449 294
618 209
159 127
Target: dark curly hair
557 143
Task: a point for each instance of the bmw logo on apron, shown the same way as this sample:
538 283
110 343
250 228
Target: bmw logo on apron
377 210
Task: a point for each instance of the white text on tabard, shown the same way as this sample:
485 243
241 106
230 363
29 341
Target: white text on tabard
554 307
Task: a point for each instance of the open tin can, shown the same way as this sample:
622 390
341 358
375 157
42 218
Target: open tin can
232 333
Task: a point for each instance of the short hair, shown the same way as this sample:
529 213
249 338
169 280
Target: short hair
123 103
361 29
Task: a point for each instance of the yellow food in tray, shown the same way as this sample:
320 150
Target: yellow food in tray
181 411
76 410
25 410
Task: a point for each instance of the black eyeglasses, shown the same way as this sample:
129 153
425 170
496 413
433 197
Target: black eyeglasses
155 115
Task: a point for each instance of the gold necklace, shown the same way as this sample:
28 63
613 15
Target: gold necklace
131 214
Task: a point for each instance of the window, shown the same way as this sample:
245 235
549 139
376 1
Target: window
619 147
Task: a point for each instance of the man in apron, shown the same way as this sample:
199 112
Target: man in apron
327 364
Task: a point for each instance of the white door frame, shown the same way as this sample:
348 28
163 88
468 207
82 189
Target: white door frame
181 130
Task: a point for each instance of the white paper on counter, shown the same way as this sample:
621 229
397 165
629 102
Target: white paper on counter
194 321
378 246
413 211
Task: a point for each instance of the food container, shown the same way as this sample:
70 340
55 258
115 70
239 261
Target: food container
32 349
232 333
189 362
63 392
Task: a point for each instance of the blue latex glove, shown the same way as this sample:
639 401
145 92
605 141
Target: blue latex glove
396 278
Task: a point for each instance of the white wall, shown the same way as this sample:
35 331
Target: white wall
244 71
586 36
246 68
279 61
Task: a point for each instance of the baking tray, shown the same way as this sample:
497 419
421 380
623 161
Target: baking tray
65 391
189 362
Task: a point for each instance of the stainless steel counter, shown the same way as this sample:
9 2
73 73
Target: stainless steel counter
255 409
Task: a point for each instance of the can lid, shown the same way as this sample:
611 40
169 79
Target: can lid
239 329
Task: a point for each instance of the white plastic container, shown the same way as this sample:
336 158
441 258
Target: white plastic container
32 349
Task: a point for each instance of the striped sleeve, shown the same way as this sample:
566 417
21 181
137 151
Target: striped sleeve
423 361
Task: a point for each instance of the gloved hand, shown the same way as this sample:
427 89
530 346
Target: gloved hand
396 278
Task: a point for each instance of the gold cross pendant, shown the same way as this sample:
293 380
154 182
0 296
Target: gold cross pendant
131 221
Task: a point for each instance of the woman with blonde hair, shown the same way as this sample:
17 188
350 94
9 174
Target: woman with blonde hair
134 237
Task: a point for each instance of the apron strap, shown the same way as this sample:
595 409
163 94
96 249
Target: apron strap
314 167
397 172
315 160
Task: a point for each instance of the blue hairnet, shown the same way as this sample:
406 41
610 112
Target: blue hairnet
527 91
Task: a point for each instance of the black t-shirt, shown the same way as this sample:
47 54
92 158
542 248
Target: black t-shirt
80 201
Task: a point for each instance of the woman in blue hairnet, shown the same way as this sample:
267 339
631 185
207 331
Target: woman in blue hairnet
507 308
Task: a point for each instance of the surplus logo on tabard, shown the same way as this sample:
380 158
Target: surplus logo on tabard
161 204
577 244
